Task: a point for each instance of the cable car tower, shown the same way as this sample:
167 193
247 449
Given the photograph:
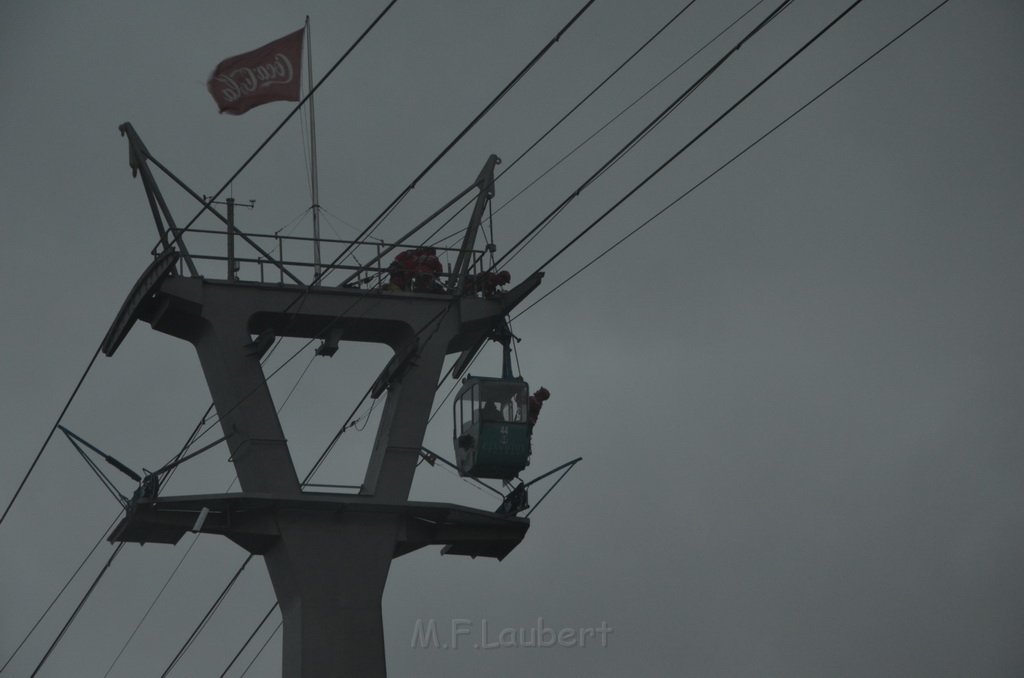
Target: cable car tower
328 554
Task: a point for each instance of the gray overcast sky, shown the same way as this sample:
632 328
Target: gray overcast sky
797 392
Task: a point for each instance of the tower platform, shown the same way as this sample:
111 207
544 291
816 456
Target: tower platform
253 521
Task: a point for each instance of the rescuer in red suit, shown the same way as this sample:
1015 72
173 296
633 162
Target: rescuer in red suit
415 270
486 283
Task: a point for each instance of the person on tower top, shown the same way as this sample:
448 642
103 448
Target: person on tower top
486 283
415 270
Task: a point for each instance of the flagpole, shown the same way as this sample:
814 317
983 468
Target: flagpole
312 157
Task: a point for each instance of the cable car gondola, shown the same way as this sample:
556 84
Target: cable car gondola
492 434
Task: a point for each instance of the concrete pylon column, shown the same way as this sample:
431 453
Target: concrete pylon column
245 407
329 574
403 423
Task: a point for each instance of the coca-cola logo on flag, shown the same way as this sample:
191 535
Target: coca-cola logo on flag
271 73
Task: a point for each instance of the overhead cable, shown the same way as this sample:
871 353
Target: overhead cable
53 429
78 608
576 107
458 137
206 618
639 136
60 592
248 640
704 131
266 642
728 162
599 85
618 115
151 606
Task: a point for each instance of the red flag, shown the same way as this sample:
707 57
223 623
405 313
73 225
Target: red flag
271 73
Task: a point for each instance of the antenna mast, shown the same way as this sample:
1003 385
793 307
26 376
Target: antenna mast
314 179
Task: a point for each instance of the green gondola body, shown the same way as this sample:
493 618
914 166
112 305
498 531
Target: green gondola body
492 437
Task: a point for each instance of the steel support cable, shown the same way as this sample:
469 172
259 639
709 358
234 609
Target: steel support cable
206 618
59 593
296 384
449 220
266 642
458 137
599 85
553 486
704 131
334 439
438 318
550 292
735 157
579 104
192 439
78 608
149 609
49 436
103 478
289 226
288 117
639 136
249 640
622 112
600 129
330 223
345 222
